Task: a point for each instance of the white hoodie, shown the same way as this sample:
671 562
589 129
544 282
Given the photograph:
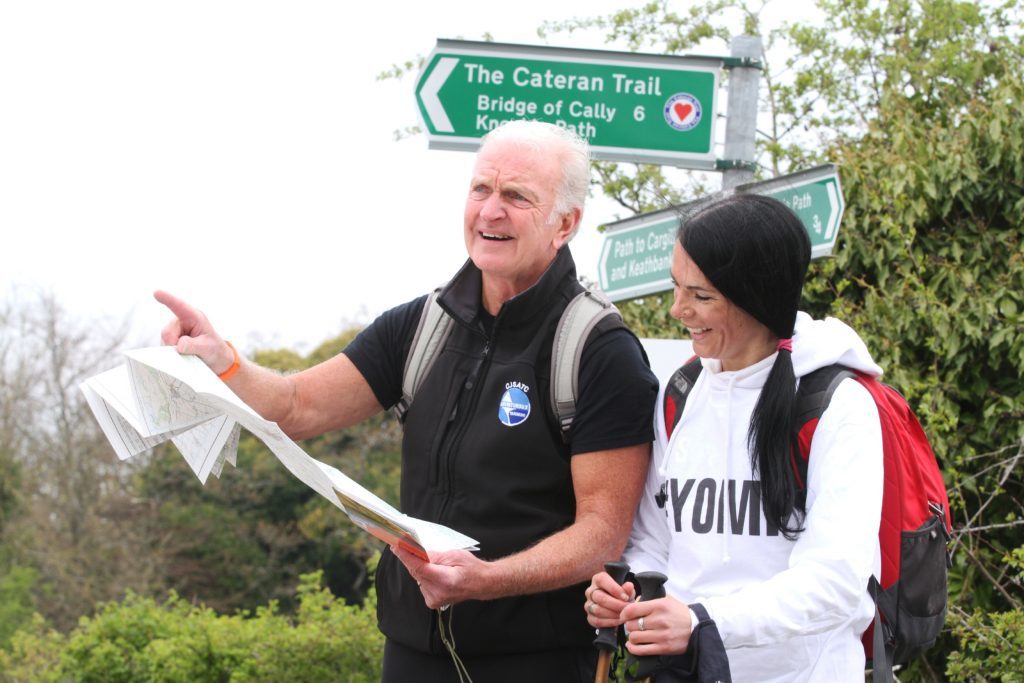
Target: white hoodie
786 610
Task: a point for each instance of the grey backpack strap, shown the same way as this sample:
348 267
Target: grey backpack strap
583 313
431 333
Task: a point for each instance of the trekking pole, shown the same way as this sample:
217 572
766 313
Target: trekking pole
652 587
608 638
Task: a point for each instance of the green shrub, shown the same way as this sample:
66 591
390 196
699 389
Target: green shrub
140 639
991 644
33 655
16 600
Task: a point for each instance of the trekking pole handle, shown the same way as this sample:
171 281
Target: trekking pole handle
652 585
608 637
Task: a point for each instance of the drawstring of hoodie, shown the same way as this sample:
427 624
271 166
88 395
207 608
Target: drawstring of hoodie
728 462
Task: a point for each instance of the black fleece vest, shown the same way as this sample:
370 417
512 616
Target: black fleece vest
481 453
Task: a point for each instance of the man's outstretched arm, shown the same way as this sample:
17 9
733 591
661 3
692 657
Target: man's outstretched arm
330 395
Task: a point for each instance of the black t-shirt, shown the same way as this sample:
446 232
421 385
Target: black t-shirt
616 393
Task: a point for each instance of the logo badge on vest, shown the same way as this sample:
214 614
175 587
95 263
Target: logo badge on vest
514 407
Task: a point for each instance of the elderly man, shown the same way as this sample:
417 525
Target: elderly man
547 511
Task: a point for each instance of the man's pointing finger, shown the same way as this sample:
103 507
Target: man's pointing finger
178 307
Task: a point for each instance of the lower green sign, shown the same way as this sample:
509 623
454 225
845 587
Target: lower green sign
636 258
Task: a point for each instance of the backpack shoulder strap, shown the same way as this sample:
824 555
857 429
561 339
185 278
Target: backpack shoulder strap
580 317
816 389
812 399
431 333
677 389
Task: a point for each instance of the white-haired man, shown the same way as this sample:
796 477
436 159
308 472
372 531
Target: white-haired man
546 513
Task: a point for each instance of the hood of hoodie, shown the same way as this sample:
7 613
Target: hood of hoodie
817 343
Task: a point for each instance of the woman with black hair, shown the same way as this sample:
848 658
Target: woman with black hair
781 566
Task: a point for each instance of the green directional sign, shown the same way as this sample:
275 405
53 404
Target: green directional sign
636 258
630 107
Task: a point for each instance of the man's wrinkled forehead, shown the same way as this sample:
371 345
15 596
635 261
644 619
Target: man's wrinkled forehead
512 161
496 171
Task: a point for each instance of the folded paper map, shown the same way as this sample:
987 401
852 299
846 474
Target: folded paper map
160 395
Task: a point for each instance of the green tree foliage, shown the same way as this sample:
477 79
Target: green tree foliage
68 536
79 528
177 641
930 271
917 102
990 642
16 601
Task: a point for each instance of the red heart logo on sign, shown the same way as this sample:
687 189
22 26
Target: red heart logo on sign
682 110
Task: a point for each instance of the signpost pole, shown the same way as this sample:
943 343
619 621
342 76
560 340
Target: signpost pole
741 121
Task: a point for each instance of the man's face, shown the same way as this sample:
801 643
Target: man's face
507 231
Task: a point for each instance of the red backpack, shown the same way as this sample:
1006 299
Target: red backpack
910 598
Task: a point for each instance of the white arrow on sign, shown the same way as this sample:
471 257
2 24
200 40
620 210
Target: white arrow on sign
835 211
431 102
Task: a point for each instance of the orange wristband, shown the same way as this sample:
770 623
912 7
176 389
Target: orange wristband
235 364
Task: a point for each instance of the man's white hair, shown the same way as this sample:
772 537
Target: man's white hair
572 151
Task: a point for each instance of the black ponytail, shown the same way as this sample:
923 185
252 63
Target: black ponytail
755 251
771 439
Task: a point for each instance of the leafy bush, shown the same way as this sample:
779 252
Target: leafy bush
991 644
175 641
16 586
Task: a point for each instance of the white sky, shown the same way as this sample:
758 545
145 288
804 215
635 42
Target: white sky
240 155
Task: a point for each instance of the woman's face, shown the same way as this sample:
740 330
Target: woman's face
719 328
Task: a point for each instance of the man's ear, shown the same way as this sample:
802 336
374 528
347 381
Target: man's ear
567 224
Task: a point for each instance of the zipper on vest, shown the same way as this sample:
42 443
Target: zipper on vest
472 386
